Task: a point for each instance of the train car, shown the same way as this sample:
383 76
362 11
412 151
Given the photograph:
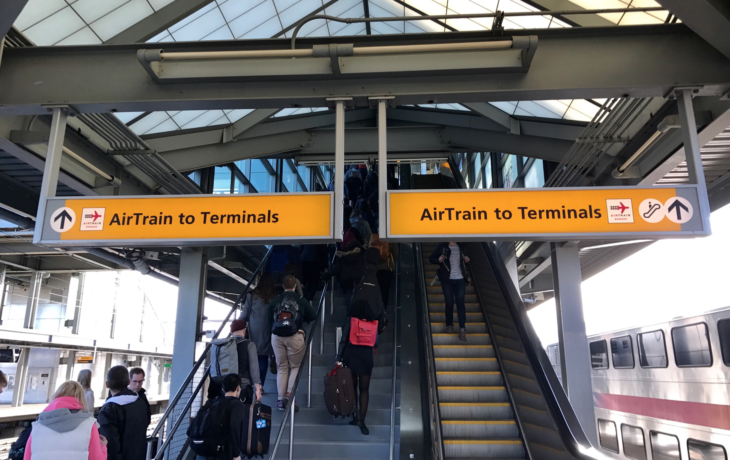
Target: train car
661 391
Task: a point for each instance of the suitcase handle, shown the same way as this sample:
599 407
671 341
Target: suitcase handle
333 371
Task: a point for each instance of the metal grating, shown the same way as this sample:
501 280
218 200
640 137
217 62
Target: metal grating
715 162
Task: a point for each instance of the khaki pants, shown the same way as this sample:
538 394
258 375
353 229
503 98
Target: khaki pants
289 353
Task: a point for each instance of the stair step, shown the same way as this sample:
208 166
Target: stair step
367 449
479 429
472 394
453 339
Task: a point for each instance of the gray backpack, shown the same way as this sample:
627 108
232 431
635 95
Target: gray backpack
223 358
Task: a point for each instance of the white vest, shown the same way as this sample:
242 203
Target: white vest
47 444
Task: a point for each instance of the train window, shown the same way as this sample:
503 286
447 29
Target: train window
607 435
664 446
652 349
699 450
599 355
692 345
622 352
723 330
633 438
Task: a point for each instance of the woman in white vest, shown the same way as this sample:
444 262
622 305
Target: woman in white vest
65 430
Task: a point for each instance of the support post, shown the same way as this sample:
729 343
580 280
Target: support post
692 153
34 292
382 163
52 166
575 358
339 167
77 301
21 378
191 295
2 290
70 368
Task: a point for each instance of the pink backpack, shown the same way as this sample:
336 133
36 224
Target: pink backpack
363 333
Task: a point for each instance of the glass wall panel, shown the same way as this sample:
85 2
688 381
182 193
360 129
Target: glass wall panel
222 180
260 177
535 177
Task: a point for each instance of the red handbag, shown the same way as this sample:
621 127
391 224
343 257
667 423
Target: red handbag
363 333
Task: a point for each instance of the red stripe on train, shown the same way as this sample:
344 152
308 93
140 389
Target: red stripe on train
693 413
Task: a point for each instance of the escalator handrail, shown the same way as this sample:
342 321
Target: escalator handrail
563 415
430 361
200 362
557 401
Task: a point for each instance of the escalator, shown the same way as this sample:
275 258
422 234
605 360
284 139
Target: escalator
497 394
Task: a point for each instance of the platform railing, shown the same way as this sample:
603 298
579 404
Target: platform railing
289 414
159 430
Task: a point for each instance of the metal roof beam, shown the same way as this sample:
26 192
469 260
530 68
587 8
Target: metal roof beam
582 20
710 19
158 21
574 63
9 12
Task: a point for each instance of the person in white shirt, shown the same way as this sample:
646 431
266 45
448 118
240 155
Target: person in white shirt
452 274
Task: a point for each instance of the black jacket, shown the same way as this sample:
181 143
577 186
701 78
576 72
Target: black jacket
445 267
142 393
235 427
123 421
349 265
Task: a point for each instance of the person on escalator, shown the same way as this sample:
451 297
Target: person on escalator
453 276
359 359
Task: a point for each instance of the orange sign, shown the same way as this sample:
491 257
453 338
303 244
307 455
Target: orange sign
547 214
188 220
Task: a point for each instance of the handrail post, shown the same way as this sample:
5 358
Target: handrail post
395 361
292 405
309 386
321 331
332 297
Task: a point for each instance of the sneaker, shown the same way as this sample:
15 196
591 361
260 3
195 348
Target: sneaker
462 335
281 404
450 329
287 398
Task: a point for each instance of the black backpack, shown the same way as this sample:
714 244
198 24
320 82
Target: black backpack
208 432
287 319
17 449
368 288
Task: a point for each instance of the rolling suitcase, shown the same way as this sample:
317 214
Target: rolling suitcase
339 394
256 430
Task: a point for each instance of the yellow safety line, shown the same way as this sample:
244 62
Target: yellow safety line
467 373
473 404
472 388
477 422
466 359
462 346
480 441
455 335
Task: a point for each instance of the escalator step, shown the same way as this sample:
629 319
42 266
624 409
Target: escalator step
453 339
473 393
471 364
478 448
471 328
480 429
469 306
466 378
463 351
475 411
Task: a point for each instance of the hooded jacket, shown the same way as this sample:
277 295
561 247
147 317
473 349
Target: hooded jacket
64 430
123 420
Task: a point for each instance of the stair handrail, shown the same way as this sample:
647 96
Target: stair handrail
295 387
171 406
430 362
391 447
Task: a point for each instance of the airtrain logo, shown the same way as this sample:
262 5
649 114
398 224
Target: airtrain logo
620 212
92 219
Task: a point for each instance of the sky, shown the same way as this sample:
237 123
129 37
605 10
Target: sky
668 279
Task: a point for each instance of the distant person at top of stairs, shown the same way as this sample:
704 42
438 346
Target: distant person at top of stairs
359 359
386 265
358 221
64 430
256 313
289 311
453 276
349 263
123 418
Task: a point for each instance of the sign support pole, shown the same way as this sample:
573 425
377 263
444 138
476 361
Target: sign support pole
52 166
382 164
339 166
692 153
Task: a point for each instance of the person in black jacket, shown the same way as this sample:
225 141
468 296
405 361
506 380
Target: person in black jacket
235 410
136 384
123 418
453 276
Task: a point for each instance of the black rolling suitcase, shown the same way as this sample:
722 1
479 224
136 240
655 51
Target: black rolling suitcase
256 430
339 393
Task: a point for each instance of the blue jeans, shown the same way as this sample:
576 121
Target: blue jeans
455 290
263 366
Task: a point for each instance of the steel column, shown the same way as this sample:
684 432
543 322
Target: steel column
382 164
70 367
692 153
21 378
574 355
339 166
77 300
34 292
3 268
52 166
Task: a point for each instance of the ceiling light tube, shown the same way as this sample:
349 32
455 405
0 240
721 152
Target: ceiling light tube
670 122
